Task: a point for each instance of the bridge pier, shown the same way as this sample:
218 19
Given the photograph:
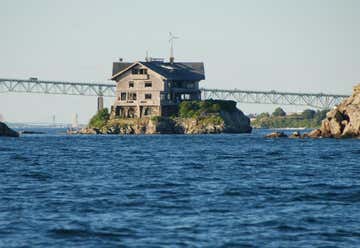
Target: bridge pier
100 103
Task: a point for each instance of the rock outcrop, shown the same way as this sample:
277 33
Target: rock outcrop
6 131
203 117
343 121
276 135
165 125
296 135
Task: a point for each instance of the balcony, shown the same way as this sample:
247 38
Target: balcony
169 102
184 90
140 76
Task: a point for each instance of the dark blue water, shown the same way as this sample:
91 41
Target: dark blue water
179 191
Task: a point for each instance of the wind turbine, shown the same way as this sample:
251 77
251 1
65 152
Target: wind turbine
171 41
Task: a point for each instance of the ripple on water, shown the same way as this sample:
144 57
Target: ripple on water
6 149
40 176
19 157
88 233
173 191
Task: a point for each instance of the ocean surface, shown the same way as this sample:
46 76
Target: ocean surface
228 190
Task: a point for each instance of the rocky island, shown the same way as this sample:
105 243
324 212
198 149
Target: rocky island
194 117
6 131
343 121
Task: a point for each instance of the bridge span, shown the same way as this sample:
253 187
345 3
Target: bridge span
315 100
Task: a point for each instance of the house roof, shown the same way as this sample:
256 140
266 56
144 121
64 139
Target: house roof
193 71
120 66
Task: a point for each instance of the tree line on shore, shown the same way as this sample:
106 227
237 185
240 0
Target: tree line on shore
280 119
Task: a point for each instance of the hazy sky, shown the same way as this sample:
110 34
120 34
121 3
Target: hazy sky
287 45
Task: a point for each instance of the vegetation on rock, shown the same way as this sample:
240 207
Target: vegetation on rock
196 109
100 119
307 119
214 116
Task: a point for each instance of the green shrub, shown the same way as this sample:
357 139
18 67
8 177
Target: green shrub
308 114
99 119
156 118
263 115
279 112
195 109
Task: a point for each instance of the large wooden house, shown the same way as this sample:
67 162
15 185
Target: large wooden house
154 87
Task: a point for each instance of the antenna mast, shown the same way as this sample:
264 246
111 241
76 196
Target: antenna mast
171 41
147 59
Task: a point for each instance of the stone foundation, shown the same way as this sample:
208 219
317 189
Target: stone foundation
134 111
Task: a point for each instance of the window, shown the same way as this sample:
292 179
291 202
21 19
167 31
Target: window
147 111
131 84
123 96
190 85
132 96
147 96
148 84
143 71
139 71
185 96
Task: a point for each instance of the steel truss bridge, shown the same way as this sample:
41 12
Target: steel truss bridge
319 101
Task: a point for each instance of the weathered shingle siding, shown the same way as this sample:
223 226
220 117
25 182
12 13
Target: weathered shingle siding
139 87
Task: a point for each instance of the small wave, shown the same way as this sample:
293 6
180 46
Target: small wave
133 203
274 153
237 244
311 220
20 158
38 176
219 210
6 149
326 157
229 156
238 192
164 185
340 233
345 197
288 228
356 152
104 233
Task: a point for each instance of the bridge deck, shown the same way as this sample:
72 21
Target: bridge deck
316 100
